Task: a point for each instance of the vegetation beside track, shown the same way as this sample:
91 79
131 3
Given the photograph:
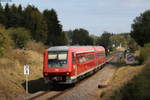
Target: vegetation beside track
12 79
120 79
130 82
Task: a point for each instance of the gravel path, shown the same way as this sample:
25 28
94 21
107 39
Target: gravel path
86 89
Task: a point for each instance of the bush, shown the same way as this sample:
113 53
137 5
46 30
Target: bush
5 41
20 36
144 53
1 51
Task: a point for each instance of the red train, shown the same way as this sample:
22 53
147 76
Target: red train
68 64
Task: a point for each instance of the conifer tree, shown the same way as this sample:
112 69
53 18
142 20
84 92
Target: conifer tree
36 23
2 16
14 22
55 34
7 15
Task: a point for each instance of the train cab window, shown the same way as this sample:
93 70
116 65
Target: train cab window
52 56
57 59
62 56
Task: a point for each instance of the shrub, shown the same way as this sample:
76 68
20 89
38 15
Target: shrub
20 36
144 53
5 41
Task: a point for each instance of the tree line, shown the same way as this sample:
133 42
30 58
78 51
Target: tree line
43 26
40 26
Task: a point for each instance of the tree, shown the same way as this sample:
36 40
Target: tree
55 34
120 39
21 18
41 30
36 23
14 20
141 28
7 15
69 35
132 45
30 22
63 39
94 38
104 40
124 40
11 16
2 15
81 37
90 40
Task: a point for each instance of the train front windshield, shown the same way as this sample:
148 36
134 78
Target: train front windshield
57 59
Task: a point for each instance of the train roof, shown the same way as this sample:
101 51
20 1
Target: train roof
66 48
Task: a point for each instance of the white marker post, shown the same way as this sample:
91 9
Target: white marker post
26 73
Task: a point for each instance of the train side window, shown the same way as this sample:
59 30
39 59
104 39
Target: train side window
92 56
89 57
99 55
82 59
85 58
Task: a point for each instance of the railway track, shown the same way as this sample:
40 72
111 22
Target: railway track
49 95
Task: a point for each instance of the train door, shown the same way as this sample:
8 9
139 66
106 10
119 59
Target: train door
96 57
74 62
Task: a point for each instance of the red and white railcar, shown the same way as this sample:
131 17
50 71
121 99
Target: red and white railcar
68 64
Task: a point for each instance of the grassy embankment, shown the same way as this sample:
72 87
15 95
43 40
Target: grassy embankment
12 79
129 83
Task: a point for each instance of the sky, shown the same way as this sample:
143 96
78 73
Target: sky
96 16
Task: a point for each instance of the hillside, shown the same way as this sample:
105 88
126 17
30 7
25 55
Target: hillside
11 71
128 83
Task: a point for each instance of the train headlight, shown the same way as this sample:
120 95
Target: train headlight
45 74
68 73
